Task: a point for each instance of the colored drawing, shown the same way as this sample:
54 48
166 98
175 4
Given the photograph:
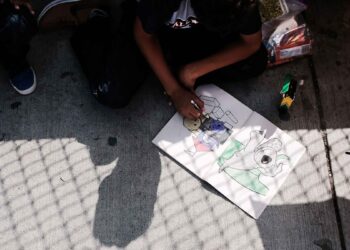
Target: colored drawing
212 129
247 162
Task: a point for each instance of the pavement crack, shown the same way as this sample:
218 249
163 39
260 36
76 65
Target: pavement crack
323 129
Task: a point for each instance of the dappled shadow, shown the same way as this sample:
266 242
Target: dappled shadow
76 175
279 221
61 153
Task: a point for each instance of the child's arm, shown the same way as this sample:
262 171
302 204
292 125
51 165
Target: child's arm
233 53
151 49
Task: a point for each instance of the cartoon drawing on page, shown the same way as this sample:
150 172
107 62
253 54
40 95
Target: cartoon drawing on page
212 129
247 161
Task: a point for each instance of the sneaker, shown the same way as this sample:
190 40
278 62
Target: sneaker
24 82
64 13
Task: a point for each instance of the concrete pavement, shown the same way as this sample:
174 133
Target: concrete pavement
77 175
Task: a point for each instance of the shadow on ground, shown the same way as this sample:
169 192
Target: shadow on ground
127 196
62 135
75 140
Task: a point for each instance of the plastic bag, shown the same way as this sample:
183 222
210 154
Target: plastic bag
274 12
290 40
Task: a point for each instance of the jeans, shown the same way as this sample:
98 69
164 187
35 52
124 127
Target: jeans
17 27
110 57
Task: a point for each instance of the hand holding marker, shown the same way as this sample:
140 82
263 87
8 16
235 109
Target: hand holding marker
195 105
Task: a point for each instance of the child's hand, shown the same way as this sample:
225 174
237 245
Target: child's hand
187 76
18 3
183 101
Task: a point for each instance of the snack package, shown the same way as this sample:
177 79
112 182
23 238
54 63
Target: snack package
291 39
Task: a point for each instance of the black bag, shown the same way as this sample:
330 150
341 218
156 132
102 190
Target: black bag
109 56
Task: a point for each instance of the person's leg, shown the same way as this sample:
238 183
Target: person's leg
16 30
110 58
89 45
67 13
17 27
125 66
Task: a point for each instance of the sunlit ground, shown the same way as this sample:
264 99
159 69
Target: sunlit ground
76 175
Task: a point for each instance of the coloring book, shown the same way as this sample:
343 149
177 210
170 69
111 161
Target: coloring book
236 150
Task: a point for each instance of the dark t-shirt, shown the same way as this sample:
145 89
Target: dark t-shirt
183 37
152 21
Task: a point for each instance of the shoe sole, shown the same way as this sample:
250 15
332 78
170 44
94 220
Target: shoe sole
27 91
52 5
59 14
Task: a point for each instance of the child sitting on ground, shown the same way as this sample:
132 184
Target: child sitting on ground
189 42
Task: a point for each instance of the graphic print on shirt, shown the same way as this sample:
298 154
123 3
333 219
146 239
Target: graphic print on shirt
184 17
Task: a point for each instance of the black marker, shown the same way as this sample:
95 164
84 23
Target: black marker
195 106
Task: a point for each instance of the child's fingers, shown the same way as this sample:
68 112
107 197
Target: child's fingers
194 113
199 102
190 113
